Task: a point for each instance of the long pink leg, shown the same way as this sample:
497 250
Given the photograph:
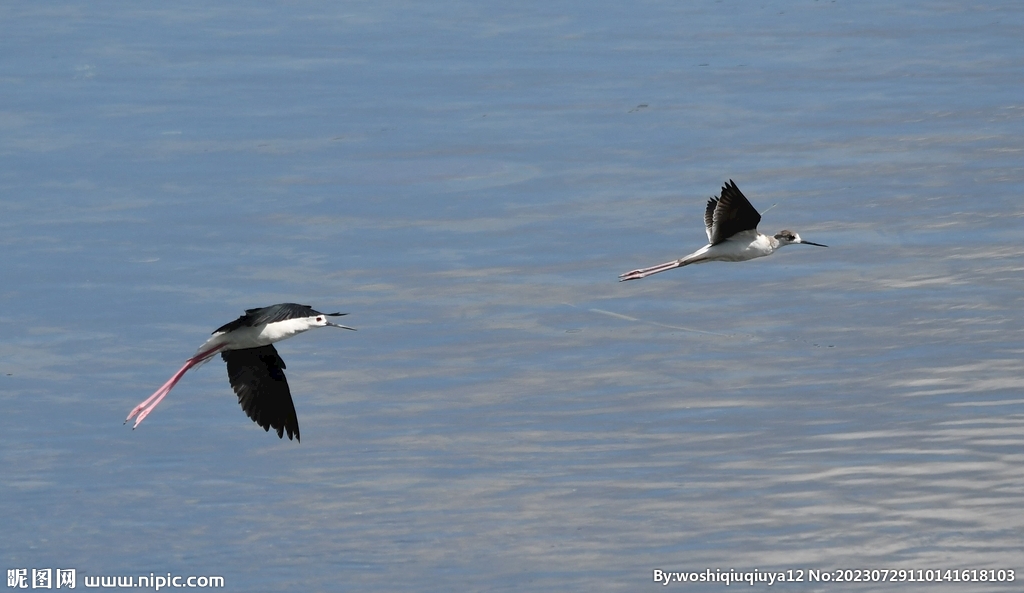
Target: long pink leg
669 265
644 272
151 402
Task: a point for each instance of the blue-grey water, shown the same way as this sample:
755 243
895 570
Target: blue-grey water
466 180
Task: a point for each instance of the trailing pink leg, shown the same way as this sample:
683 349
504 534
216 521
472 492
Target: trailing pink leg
644 272
151 402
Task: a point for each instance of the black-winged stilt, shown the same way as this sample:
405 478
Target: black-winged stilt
255 370
732 235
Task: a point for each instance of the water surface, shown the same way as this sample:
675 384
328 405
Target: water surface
467 180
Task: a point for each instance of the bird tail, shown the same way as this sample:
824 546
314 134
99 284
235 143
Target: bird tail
207 350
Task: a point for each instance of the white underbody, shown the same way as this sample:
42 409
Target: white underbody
257 336
739 247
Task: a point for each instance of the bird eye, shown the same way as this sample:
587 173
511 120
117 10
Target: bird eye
319 318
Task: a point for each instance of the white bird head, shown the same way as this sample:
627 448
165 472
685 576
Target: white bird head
321 321
787 237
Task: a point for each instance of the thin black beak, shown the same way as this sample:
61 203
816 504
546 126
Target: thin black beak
338 325
802 242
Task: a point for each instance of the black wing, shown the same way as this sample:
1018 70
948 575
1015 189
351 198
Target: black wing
730 214
257 376
281 312
709 217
